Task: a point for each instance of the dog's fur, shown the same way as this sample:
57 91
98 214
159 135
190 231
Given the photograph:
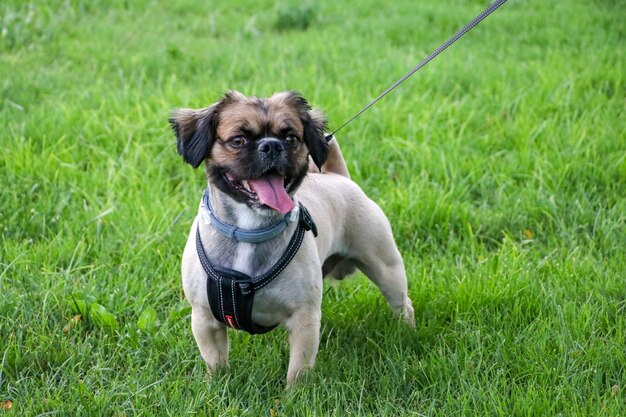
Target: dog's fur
353 231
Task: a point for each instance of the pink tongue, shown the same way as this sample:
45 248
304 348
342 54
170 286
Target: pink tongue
271 191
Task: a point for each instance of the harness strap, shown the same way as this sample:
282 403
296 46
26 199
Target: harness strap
231 293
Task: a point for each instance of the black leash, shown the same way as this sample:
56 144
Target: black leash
429 58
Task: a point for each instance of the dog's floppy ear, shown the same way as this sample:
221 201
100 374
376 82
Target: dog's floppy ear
315 139
195 133
314 124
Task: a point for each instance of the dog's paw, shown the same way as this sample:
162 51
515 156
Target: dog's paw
408 314
409 320
216 368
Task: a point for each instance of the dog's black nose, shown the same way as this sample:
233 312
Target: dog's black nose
270 146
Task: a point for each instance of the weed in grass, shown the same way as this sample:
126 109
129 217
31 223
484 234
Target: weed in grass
289 17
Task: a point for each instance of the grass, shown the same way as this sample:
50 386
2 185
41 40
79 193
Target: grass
502 166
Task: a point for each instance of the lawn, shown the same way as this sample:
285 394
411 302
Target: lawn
501 165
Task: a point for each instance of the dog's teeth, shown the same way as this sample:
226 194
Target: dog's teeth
245 185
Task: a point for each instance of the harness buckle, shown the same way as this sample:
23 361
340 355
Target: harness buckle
245 288
307 221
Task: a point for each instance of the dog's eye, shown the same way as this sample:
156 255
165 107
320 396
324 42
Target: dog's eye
238 141
291 140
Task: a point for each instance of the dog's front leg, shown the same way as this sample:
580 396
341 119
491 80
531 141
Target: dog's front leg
211 338
304 338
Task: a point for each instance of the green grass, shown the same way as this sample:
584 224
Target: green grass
501 165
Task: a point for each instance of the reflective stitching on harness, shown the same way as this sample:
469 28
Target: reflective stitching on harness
289 256
232 292
219 284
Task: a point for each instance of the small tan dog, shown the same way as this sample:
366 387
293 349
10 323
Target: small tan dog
272 177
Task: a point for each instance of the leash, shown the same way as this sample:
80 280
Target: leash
426 60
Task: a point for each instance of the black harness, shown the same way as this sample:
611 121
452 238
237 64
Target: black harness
231 293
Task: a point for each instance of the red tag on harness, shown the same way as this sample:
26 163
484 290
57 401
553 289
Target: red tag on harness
230 321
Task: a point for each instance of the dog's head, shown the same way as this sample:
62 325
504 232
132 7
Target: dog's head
256 149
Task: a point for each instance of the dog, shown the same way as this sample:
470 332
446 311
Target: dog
266 158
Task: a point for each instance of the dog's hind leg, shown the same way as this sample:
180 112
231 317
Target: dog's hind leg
375 253
390 277
211 338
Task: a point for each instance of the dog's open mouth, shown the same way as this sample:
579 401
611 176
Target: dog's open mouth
269 189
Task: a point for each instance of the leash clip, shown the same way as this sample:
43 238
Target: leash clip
307 221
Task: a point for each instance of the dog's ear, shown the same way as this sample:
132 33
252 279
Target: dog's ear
314 124
315 139
195 133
